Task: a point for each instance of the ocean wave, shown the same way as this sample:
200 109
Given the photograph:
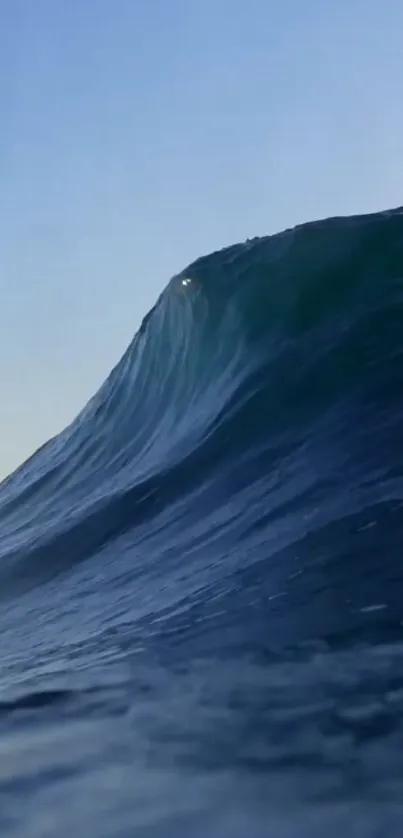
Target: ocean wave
200 578
259 405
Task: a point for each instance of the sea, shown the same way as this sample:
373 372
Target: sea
201 578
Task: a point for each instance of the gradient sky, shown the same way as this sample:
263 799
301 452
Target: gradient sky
136 135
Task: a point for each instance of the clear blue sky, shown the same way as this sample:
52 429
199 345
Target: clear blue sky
137 135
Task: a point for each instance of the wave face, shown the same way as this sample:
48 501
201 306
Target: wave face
201 579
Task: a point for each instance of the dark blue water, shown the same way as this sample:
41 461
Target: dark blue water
201 580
